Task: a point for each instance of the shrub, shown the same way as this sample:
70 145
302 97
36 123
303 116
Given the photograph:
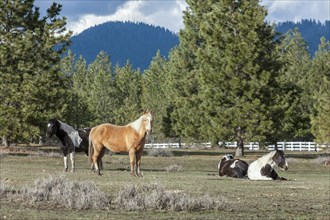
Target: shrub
155 197
173 168
62 192
3 189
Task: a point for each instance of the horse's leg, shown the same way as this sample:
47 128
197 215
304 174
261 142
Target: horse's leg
101 164
138 163
99 161
65 160
72 162
131 160
95 157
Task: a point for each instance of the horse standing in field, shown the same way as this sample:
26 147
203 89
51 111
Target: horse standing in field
263 168
129 138
72 140
232 167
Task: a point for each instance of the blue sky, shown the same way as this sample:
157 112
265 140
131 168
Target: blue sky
82 14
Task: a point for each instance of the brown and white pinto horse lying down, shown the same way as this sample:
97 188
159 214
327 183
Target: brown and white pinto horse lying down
263 168
129 138
232 167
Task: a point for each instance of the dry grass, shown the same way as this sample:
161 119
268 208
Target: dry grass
59 192
155 197
174 168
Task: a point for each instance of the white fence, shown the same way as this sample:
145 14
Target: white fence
289 146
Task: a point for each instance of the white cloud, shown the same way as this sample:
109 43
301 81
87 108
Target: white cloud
296 10
166 14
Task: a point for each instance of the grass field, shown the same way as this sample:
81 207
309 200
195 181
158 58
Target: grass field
306 194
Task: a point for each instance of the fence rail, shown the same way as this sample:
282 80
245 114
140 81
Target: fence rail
289 146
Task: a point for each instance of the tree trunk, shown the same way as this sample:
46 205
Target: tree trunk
214 143
41 140
240 143
5 142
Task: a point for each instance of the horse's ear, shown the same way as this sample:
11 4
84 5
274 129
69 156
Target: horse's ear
147 111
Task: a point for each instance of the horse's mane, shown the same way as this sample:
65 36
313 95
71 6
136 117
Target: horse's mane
268 157
69 129
136 125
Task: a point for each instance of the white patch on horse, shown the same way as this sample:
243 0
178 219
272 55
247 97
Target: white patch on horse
255 167
73 134
136 125
233 165
49 125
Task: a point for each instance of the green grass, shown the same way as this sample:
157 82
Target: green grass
304 196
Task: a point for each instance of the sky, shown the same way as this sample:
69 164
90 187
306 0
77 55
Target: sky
82 14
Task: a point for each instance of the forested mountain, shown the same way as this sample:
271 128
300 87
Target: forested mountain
122 41
310 30
139 42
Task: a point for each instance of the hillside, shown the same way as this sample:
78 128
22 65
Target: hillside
310 30
139 42
136 42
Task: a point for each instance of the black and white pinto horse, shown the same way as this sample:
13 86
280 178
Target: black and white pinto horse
263 168
228 166
72 140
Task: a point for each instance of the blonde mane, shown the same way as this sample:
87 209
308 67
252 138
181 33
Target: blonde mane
136 125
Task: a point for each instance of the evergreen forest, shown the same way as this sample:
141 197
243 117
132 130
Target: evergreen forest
231 77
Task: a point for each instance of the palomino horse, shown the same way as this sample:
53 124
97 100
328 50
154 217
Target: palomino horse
129 138
263 168
232 167
72 140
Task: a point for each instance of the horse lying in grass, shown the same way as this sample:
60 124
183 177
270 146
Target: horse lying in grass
263 168
129 138
228 166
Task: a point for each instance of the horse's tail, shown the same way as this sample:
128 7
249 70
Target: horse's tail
90 147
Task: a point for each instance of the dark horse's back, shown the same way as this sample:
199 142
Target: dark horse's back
83 134
243 166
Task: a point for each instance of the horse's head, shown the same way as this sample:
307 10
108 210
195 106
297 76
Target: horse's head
279 159
52 127
147 121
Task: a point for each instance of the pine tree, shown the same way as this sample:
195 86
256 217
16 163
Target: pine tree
320 77
31 84
77 113
67 69
101 97
294 81
233 64
182 79
154 95
83 117
127 84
